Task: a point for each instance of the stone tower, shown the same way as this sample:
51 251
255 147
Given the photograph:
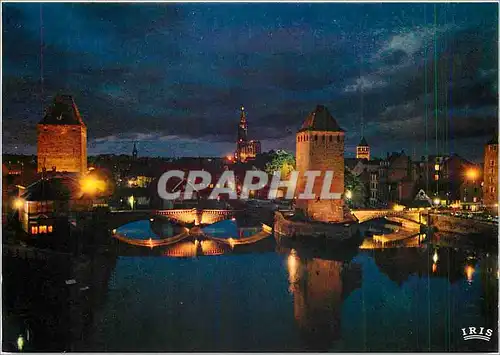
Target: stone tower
490 186
62 138
320 146
363 150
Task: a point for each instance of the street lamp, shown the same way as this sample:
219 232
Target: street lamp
472 174
92 185
348 194
18 203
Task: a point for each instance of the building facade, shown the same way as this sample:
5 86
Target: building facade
245 149
62 138
490 186
320 146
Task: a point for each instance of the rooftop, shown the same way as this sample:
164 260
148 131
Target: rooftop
63 111
363 143
320 120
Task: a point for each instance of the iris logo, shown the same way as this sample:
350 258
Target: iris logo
475 333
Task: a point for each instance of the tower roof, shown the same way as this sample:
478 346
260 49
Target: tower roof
363 143
63 111
493 140
320 120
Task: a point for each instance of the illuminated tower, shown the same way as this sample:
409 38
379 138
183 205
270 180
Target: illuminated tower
363 150
242 127
62 138
320 146
245 149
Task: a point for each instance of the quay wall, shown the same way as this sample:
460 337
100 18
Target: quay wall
459 225
334 231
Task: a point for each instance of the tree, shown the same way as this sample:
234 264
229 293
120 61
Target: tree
356 188
282 161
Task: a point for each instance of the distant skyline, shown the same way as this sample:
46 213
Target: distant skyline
173 76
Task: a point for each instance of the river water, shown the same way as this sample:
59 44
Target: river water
288 299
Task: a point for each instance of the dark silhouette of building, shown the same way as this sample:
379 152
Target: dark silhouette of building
134 152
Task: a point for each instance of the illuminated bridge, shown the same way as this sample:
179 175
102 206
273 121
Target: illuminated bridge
366 215
191 216
193 242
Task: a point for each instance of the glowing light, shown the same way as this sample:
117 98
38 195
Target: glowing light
437 201
231 242
18 203
435 257
20 343
229 157
436 167
293 267
131 201
233 219
150 242
151 219
91 185
472 174
434 267
348 194
469 272
398 208
114 231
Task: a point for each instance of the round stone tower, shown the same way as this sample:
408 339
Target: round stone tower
320 146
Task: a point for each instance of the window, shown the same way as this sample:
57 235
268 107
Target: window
42 229
323 138
34 230
338 138
49 229
315 137
475 199
330 138
492 162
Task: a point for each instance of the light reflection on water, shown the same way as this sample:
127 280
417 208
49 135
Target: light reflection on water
284 299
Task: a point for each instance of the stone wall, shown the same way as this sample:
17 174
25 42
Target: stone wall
288 228
462 225
318 150
63 147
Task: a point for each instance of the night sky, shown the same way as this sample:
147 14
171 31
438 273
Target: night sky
173 76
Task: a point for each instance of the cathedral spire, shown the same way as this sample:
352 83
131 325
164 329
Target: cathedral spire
134 151
243 126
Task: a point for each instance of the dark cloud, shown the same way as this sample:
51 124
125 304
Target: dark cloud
182 71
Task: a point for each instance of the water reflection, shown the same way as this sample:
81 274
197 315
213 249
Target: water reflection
265 296
319 286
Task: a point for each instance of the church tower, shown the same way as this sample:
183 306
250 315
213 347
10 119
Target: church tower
134 152
62 138
363 150
245 149
320 146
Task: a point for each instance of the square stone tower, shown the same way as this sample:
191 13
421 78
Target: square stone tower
320 146
363 150
62 138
